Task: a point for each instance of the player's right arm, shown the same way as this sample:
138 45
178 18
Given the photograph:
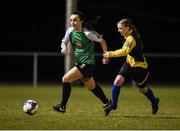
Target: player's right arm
129 44
64 49
65 41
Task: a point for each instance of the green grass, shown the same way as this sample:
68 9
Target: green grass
84 110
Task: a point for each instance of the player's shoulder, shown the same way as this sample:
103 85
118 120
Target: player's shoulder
90 33
70 29
130 37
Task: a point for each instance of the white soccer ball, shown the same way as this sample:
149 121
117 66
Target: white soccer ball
30 107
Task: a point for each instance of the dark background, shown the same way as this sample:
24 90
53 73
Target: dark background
40 26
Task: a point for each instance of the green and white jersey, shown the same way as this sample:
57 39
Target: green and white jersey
83 43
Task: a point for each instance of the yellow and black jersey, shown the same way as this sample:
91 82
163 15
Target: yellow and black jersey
133 49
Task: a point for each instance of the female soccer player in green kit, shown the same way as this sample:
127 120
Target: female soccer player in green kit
82 41
135 65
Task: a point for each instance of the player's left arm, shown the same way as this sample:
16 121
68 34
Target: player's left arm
94 36
104 49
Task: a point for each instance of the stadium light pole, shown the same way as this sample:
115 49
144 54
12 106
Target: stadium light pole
71 5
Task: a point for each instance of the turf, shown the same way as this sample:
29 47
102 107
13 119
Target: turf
84 110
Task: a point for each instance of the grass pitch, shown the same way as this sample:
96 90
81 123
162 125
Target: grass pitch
84 110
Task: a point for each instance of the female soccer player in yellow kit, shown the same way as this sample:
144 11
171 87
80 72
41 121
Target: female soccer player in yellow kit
135 65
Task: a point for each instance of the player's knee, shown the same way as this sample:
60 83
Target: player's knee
119 80
90 88
142 87
65 78
143 90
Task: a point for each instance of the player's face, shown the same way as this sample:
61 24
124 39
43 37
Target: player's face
76 22
122 29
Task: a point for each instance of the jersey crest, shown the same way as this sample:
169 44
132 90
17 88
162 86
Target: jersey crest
78 44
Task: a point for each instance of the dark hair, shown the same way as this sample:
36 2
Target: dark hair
80 14
88 23
127 23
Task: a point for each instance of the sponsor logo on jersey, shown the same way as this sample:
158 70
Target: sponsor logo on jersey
78 44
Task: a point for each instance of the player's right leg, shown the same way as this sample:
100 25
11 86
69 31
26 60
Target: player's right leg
70 76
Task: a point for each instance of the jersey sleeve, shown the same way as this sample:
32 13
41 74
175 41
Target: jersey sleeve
125 50
66 36
94 36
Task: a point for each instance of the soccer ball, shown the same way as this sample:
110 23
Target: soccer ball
30 107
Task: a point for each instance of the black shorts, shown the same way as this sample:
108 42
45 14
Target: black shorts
138 74
87 70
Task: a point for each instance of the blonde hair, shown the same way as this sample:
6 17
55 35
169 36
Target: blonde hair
127 23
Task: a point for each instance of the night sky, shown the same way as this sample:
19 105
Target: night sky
39 26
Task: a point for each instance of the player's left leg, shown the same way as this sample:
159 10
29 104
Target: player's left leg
141 79
118 82
150 95
123 73
97 91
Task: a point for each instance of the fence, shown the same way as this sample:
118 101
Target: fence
35 56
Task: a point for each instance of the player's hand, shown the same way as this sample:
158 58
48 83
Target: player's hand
105 55
105 60
64 51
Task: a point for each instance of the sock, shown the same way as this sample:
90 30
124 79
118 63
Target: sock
98 92
115 94
149 94
66 88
